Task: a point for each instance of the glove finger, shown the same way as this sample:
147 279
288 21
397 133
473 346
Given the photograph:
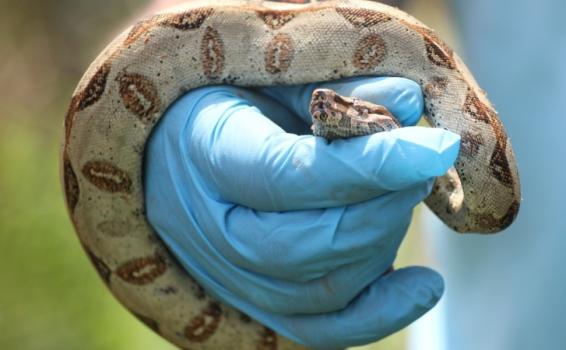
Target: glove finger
403 97
389 304
307 245
251 161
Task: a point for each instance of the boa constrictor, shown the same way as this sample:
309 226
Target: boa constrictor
128 87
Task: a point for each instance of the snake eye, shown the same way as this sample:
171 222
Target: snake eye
323 116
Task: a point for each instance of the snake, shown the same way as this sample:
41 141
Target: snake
128 87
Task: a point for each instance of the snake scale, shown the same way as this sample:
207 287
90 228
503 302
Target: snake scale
249 43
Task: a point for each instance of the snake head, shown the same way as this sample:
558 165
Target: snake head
325 107
336 116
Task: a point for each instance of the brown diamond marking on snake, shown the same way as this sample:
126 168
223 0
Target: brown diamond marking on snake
151 323
267 340
100 266
140 96
71 184
437 51
470 144
92 92
363 18
438 55
477 109
188 20
141 271
204 325
279 54
106 176
370 52
276 19
431 34
499 164
95 88
212 53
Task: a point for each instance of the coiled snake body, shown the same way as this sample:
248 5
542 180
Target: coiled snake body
128 87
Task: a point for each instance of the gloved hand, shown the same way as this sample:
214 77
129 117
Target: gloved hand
297 232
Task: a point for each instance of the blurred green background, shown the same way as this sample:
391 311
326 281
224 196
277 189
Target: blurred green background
50 296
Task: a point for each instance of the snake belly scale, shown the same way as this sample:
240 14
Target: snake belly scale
249 43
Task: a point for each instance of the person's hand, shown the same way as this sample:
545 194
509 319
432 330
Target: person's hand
295 231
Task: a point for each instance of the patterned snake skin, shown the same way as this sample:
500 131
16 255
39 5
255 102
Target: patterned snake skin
128 87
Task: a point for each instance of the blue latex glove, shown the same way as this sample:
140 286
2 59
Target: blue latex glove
297 232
